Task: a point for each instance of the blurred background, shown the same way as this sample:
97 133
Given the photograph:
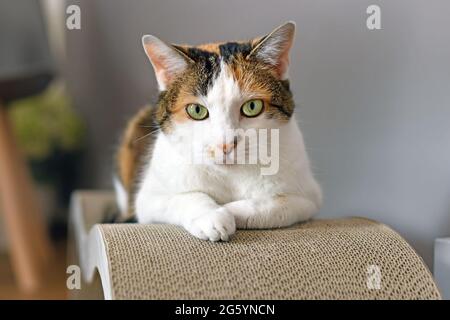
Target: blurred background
374 105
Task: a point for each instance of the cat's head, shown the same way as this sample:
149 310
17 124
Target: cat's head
210 89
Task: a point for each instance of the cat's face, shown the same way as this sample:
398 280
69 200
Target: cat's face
209 91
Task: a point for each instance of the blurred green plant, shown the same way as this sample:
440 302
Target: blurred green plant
47 123
52 136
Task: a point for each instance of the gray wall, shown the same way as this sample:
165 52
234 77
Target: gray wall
374 105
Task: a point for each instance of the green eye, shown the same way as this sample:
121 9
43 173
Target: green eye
197 111
252 108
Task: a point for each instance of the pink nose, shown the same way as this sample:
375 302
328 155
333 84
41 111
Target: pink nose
227 147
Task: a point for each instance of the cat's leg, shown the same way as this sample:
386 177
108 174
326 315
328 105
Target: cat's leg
197 212
271 212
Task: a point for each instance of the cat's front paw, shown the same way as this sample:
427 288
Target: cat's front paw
214 226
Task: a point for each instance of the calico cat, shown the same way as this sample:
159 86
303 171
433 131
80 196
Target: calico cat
207 91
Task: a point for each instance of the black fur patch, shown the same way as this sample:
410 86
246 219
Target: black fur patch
198 55
231 49
207 68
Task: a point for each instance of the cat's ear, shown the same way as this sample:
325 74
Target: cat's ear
273 49
167 61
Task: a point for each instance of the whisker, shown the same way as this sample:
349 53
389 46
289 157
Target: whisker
146 135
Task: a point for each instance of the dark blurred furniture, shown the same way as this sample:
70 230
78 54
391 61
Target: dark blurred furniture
25 69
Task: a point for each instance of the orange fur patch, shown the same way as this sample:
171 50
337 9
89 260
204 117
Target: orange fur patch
134 145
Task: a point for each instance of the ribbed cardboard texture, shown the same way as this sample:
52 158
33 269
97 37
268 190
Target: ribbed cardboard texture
351 258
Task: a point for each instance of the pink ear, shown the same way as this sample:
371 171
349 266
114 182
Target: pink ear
274 48
167 62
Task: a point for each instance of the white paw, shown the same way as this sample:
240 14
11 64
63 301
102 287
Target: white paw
214 226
